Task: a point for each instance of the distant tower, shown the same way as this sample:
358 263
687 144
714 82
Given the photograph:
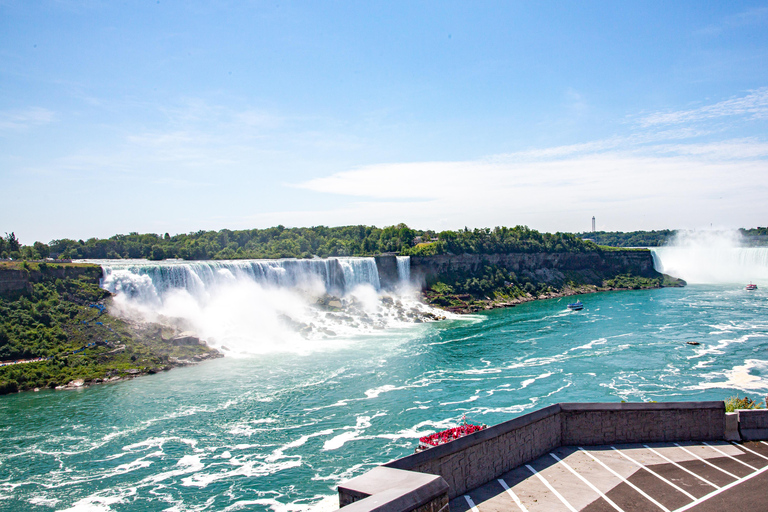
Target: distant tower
593 223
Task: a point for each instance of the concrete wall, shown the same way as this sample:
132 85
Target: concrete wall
596 424
473 460
753 424
470 461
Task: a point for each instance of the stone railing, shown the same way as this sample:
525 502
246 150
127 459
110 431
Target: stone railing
425 481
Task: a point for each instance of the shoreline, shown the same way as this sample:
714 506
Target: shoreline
490 304
135 372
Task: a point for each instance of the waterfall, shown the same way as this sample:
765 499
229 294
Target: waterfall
712 257
404 270
149 280
257 306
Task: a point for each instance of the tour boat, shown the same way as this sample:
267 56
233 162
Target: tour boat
448 435
751 286
576 306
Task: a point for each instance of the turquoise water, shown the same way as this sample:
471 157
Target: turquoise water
279 431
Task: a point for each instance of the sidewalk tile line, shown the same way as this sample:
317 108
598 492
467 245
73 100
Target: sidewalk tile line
722 489
598 491
646 496
643 466
511 493
682 467
707 462
752 451
471 503
753 468
549 486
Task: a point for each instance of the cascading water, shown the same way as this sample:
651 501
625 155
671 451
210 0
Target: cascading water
712 257
404 271
255 306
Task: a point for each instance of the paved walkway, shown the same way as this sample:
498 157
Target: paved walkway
668 477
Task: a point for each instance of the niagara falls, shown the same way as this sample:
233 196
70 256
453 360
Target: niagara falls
383 256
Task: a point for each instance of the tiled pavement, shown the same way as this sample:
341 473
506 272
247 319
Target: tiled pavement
701 477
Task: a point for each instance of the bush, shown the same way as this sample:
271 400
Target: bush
734 402
8 386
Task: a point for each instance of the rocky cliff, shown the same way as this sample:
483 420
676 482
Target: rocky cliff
554 269
16 278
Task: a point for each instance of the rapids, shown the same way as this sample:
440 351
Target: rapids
279 427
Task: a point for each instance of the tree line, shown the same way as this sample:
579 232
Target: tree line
282 242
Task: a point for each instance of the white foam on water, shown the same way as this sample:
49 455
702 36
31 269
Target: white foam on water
375 392
46 502
528 382
740 377
100 502
361 424
591 344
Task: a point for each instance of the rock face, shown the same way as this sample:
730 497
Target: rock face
386 264
18 281
185 338
14 282
550 268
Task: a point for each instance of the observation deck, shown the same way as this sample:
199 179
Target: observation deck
665 457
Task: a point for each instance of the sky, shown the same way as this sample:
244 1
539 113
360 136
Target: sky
165 116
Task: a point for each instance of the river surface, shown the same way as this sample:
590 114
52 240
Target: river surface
278 431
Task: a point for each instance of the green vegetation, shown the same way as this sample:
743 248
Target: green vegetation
275 242
281 242
630 282
496 286
631 238
734 402
468 290
63 321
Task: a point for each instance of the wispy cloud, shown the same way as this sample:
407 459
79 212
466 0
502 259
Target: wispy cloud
755 16
754 105
651 187
23 119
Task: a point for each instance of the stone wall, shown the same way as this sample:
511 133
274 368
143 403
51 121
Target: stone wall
598 424
753 424
471 461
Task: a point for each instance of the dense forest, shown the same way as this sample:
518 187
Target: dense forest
281 242
322 241
630 238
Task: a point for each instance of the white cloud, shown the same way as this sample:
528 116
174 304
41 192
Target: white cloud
26 118
754 104
660 186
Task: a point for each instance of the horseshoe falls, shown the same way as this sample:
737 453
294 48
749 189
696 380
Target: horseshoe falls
712 257
310 395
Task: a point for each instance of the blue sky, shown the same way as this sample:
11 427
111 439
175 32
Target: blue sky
178 116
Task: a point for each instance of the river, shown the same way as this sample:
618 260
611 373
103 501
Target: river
279 423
